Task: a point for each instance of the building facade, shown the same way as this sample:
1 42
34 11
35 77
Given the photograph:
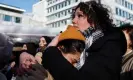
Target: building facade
121 10
58 12
10 15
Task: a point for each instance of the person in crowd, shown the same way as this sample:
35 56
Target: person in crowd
43 42
105 46
6 47
33 72
30 48
127 61
71 46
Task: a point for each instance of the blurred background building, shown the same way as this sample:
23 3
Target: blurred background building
49 17
58 12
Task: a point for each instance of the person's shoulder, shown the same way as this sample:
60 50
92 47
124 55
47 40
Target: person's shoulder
114 33
2 76
52 49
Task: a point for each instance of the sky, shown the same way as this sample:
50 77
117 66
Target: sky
23 4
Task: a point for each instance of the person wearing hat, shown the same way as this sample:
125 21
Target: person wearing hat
104 47
71 46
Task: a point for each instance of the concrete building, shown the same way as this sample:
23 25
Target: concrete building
14 16
10 15
59 11
39 12
122 10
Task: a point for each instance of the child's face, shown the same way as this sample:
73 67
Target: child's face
72 58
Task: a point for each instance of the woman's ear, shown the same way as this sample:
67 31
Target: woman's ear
60 47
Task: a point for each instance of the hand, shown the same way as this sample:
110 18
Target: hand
26 60
12 64
54 42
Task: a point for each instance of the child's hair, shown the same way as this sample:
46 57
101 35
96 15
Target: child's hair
71 45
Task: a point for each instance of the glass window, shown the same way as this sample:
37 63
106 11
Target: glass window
17 20
7 18
65 3
120 12
131 6
69 2
76 0
128 5
116 11
125 3
62 5
123 13
59 24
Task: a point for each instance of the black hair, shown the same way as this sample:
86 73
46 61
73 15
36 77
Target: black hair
96 14
129 29
126 26
31 48
48 39
71 46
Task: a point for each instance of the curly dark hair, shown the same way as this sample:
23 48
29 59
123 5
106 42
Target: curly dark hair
96 14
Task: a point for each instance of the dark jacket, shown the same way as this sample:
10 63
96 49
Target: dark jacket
102 63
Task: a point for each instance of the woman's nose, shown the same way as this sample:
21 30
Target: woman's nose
74 20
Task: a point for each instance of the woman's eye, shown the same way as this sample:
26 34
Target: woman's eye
80 15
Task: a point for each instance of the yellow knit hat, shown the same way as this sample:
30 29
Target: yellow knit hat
71 33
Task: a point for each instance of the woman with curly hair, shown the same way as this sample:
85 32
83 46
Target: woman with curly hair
105 46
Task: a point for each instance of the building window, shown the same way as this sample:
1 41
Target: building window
69 2
116 10
7 18
123 13
65 3
120 13
76 0
17 20
125 3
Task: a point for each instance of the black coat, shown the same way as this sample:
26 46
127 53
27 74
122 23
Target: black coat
103 62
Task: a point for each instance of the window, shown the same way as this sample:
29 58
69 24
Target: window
123 13
7 18
116 11
131 6
128 5
65 3
125 3
120 13
59 24
76 0
17 20
69 2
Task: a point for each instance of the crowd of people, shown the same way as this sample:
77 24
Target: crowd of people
91 48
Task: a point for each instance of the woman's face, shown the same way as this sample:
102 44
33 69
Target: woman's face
42 42
80 20
24 47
